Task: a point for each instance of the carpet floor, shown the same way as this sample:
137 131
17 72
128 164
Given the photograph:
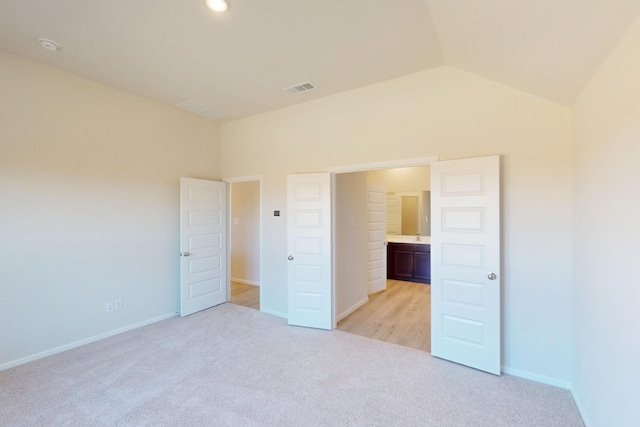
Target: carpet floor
234 366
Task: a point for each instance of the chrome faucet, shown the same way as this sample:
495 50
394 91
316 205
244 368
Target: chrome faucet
418 237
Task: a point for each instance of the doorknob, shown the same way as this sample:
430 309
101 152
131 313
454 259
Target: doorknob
185 253
290 257
492 276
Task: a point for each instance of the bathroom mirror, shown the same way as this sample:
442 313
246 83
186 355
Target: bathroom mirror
408 198
408 213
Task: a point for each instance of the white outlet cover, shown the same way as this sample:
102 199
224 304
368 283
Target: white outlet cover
117 304
108 306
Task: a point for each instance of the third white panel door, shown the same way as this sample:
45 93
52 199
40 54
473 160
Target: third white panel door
203 248
377 238
465 262
309 269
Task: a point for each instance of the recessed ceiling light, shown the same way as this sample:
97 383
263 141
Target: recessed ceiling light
217 5
49 44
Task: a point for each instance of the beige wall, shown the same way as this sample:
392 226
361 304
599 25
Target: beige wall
351 241
401 179
606 245
89 196
245 232
451 114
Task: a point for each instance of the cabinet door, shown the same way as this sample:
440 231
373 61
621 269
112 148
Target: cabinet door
422 270
404 264
391 265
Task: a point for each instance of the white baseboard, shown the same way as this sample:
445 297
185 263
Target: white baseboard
82 342
352 309
245 282
273 313
537 378
580 407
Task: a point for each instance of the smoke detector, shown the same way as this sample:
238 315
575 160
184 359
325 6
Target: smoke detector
302 87
49 44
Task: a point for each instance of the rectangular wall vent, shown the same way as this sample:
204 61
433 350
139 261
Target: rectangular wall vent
200 108
302 87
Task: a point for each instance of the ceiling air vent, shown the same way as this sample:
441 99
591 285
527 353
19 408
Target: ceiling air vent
302 87
203 110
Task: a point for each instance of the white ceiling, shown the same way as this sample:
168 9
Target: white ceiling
239 62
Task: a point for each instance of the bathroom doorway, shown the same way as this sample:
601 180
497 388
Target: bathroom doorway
401 312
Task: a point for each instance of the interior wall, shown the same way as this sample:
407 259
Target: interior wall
452 114
90 206
606 245
401 179
351 242
245 232
426 213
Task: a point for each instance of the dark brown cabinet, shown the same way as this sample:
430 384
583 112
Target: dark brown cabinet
410 262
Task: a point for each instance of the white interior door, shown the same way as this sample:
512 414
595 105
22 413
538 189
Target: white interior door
309 269
394 214
203 241
465 262
377 238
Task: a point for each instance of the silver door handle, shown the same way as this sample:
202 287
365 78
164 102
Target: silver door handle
290 257
184 254
492 276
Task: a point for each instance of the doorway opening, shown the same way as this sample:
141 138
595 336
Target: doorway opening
383 255
245 242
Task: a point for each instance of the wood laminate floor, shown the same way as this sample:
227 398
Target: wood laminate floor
245 295
400 315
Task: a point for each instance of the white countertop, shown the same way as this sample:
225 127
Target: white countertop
394 238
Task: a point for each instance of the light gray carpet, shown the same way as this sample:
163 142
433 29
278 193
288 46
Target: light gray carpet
233 366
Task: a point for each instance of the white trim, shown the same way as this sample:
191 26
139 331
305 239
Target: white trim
245 282
580 407
537 378
82 342
334 259
273 313
352 309
407 163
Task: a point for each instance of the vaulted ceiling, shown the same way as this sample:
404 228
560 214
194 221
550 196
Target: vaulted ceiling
238 63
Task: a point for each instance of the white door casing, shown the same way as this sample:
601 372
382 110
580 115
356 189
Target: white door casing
465 262
309 264
377 238
203 244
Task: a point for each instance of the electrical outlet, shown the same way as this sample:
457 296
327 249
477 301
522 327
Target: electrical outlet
117 304
108 306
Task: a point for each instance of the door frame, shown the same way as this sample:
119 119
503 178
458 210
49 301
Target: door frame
364 167
235 180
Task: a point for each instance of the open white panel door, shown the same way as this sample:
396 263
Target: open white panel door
203 244
394 214
377 238
465 262
309 269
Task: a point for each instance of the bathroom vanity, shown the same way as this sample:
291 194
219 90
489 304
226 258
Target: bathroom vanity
409 260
